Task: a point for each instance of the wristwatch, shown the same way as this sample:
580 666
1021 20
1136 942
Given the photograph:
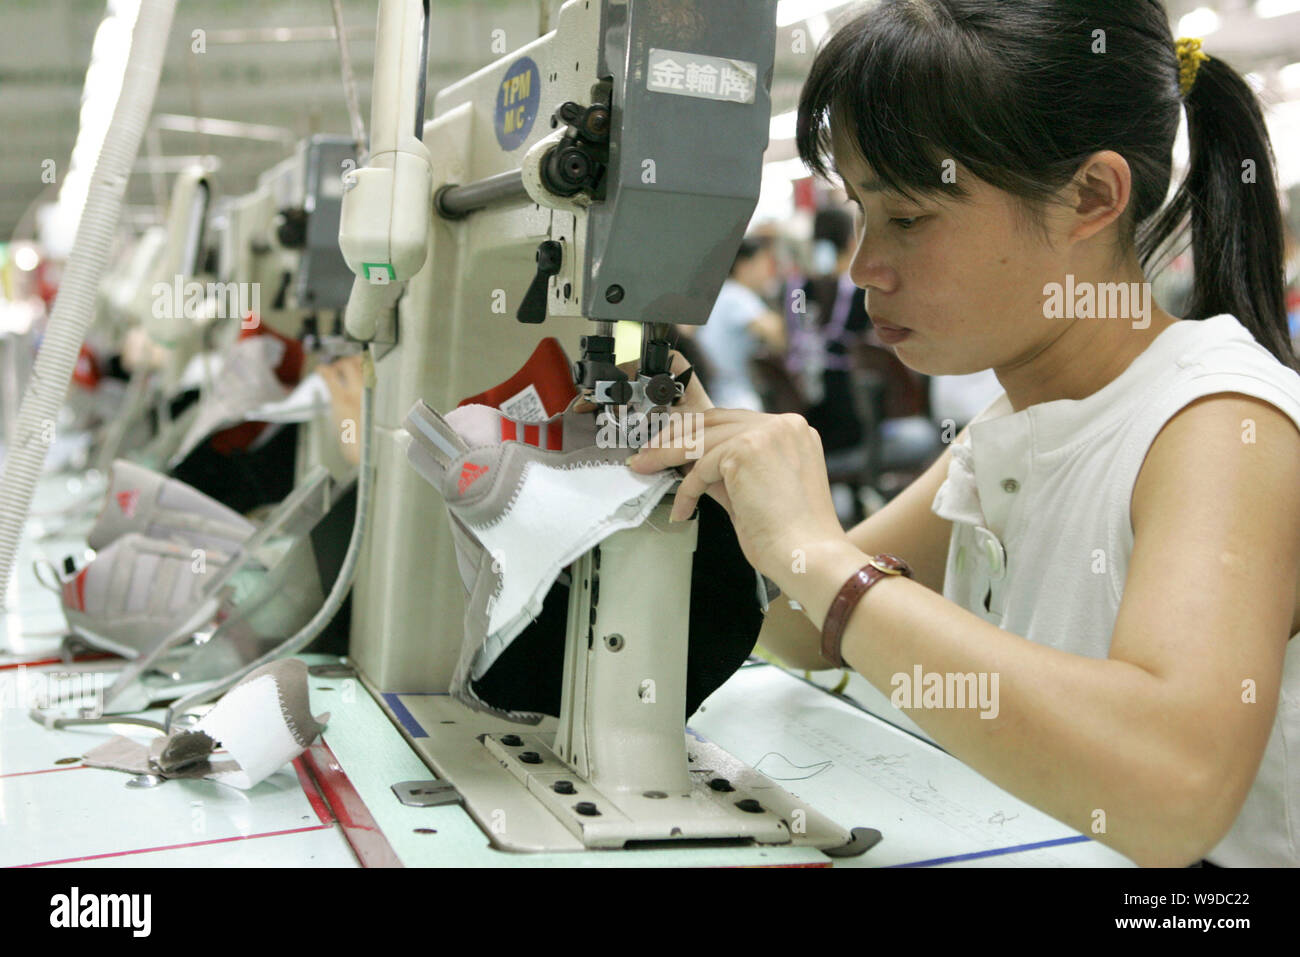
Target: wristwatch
879 567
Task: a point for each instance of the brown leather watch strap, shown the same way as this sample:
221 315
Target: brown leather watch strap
849 595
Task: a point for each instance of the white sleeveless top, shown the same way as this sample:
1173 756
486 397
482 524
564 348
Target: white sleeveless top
1039 499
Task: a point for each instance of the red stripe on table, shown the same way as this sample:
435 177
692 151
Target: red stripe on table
359 827
313 793
79 767
37 662
175 847
532 435
507 430
555 436
19 774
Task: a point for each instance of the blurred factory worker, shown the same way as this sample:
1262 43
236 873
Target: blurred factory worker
1097 597
825 323
740 325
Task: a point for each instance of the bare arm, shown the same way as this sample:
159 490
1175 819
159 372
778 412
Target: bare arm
1151 750
906 527
769 328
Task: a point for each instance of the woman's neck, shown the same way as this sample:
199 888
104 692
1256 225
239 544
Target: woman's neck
1095 340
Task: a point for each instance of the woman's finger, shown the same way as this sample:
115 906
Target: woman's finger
671 451
705 474
690 431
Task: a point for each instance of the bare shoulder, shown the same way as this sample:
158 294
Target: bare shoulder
1216 525
1225 443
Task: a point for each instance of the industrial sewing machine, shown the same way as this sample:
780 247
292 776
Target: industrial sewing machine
603 172
275 259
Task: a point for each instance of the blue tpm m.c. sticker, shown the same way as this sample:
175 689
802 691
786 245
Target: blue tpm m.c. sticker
516 105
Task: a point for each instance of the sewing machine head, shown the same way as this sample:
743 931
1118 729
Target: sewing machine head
610 168
650 178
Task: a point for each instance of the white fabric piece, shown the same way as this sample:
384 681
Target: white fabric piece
557 516
958 498
200 370
521 513
252 726
1038 493
303 404
263 723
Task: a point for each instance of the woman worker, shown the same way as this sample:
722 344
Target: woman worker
1117 537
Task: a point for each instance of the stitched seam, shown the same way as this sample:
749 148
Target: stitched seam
290 721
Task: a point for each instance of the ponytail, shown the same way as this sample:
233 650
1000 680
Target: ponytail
1230 195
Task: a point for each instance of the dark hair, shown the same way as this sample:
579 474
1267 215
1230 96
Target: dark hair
750 247
834 225
1022 92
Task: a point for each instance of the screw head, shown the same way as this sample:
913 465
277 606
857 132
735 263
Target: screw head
614 294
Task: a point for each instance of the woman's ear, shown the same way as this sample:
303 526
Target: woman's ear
1099 194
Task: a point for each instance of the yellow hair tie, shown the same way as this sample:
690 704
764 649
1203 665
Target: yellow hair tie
1190 59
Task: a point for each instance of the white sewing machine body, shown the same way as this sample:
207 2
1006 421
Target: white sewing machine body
651 241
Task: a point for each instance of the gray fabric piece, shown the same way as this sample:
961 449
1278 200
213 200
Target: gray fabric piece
141 500
121 601
181 750
119 754
123 754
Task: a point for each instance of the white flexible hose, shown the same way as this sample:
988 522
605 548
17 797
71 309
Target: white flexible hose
342 583
74 309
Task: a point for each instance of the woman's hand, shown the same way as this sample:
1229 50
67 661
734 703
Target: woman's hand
768 471
693 400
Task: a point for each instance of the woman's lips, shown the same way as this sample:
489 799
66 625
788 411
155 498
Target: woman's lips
890 335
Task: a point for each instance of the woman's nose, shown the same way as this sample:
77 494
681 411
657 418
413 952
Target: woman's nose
869 271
